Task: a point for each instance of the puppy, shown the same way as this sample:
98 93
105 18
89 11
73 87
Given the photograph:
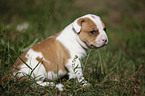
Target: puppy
60 54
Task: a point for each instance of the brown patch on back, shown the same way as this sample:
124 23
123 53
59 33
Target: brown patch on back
54 52
87 26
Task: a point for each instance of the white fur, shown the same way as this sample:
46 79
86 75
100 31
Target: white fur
70 39
59 86
52 76
102 35
76 26
32 62
40 70
97 20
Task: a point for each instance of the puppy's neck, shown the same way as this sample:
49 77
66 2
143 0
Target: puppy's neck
70 39
79 40
81 43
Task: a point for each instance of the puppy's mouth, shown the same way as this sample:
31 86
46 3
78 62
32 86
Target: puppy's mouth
92 47
95 47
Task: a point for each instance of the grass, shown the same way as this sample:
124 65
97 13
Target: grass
116 69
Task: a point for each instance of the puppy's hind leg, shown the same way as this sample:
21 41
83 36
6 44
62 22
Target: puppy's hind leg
51 84
46 83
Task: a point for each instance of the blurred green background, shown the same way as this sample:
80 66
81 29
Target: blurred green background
116 69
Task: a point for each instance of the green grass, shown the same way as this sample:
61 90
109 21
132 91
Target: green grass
116 69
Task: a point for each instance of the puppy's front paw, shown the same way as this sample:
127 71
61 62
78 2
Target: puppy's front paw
86 84
83 82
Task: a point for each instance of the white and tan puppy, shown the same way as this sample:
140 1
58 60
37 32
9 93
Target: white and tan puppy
54 57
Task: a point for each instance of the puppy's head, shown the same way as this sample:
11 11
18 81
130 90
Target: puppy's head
91 30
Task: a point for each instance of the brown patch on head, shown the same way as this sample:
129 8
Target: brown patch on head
103 25
53 52
89 31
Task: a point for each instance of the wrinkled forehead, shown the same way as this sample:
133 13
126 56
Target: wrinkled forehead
97 21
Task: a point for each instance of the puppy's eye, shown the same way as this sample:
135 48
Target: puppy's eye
93 32
104 29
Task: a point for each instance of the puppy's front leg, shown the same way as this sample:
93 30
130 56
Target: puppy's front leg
75 71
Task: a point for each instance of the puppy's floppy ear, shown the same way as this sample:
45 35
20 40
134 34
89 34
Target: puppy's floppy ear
77 24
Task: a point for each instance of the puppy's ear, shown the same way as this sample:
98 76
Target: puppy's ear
77 24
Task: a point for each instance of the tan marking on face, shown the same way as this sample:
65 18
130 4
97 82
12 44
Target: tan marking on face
18 63
85 34
54 52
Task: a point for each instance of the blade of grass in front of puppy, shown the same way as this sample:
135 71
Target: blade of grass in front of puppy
87 57
25 63
35 66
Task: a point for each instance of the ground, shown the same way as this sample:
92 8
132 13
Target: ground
116 69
